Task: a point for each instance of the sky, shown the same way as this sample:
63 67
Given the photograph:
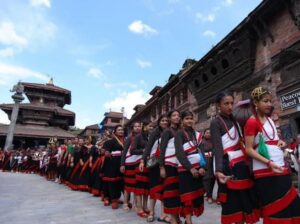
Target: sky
109 53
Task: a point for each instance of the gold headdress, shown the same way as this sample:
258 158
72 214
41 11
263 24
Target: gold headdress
52 141
258 92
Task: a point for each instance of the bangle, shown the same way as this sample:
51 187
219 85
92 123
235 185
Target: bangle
269 162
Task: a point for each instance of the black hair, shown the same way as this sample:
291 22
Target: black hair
171 112
186 113
205 130
221 95
116 127
136 122
160 118
144 124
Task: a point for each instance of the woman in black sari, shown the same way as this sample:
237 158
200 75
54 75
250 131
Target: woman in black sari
112 177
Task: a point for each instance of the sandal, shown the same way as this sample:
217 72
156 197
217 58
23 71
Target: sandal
106 202
179 221
142 214
126 207
150 217
115 205
165 219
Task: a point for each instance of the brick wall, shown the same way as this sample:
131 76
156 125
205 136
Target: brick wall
285 33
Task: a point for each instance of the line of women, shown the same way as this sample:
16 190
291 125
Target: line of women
253 180
169 162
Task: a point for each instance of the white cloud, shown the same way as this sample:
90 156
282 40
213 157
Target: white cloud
95 72
82 120
139 27
7 52
25 28
37 3
143 63
205 18
128 100
38 30
10 74
9 36
3 118
209 33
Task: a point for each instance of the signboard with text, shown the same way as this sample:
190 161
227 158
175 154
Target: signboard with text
290 100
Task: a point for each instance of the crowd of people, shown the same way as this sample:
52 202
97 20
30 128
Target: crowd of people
172 162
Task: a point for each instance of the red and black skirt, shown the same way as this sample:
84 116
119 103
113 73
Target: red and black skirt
95 180
142 181
191 193
238 198
74 180
171 194
52 165
112 178
155 183
6 164
129 177
84 177
279 199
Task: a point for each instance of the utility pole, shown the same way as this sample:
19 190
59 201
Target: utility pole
18 98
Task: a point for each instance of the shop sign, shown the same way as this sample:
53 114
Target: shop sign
290 100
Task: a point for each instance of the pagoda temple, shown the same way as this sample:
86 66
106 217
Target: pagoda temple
42 118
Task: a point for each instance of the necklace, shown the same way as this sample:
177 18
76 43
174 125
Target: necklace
273 130
119 141
194 139
226 128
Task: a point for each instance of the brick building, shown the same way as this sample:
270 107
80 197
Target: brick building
91 130
174 95
264 49
112 119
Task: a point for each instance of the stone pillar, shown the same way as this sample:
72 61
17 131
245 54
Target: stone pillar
18 98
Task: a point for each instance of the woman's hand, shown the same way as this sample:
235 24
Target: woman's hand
281 144
275 167
107 154
122 169
194 172
163 172
222 178
141 166
202 171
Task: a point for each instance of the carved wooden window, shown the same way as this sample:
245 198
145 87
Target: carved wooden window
172 102
204 78
225 63
184 94
153 112
213 70
178 99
